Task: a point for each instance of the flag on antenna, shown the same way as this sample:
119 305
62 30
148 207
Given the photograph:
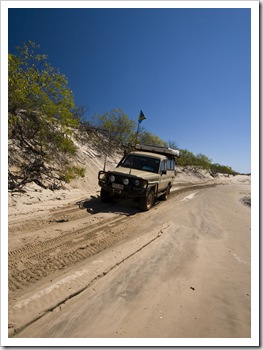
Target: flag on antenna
141 117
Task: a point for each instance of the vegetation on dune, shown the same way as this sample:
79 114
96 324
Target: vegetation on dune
116 128
200 160
41 114
120 130
42 118
188 158
223 169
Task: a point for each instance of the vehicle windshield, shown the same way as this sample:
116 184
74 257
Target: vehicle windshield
141 163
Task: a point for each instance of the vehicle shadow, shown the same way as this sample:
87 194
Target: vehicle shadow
94 205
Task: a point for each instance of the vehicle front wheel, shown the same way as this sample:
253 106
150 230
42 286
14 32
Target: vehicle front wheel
147 202
166 193
105 197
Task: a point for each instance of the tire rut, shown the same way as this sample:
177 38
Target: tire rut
70 212
33 262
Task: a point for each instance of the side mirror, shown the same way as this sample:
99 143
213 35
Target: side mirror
163 172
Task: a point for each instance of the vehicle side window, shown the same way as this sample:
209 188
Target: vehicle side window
170 164
163 165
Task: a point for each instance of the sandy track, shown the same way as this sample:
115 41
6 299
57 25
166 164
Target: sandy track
34 261
119 254
67 236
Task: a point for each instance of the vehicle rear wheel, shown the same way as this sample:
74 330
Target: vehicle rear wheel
164 196
147 202
105 197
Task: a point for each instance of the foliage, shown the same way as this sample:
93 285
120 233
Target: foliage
116 125
148 138
41 117
188 158
223 169
203 161
72 172
121 130
40 103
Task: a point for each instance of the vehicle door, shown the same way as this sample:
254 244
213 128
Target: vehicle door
170 166
164 180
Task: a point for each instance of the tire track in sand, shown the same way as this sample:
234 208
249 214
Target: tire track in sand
32 262
35 261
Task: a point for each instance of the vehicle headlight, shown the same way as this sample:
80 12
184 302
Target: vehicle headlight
144 183
112 178
137 182
102 176
126 181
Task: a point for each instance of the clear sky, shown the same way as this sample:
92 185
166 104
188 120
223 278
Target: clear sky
187 69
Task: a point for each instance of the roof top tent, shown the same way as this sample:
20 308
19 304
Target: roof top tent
159 150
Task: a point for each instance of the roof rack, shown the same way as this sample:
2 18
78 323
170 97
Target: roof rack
158 149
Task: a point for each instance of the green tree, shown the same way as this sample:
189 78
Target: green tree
117 126
186 158
223 169
41 116
202 160
40 103
147 138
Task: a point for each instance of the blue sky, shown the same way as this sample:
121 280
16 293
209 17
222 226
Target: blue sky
187 69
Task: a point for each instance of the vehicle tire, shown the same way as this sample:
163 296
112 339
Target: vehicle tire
105 197
164 196
147 202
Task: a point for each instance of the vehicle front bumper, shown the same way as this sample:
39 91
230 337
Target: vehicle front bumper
119 189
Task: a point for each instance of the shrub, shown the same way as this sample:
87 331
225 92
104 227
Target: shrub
72 172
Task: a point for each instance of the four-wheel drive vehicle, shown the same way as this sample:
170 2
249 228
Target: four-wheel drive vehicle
145 174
